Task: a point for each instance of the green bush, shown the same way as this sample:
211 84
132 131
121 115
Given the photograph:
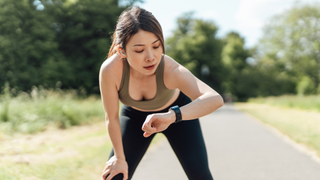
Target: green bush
305 86
42 109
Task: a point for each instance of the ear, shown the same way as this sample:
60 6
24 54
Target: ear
120 51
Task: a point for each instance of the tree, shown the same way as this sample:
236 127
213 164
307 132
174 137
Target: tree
43 42
26 43
263 79
292 41
233 58
194 44
82 30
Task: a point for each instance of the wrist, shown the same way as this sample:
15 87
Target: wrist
172 116
177 112
121 158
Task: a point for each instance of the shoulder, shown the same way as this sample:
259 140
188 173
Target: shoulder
111 70
173 72
172 67
111 64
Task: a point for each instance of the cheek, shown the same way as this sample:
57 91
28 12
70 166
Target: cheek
134 60
159 52
132 57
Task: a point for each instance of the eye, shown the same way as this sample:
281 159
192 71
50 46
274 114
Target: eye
156 47
139 51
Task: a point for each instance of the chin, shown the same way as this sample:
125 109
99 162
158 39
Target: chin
150 72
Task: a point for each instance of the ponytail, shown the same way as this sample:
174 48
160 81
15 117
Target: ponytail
112 50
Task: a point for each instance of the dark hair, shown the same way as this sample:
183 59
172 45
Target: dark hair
130 22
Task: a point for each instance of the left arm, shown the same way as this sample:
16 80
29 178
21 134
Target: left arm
205 100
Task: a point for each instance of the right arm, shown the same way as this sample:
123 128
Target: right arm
109 95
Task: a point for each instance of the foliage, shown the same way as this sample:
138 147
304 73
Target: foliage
82 30
195 45
42 109
63 41
305 86
26 43
264 79
291 42
310 102
5 98
286 60
218 62
234 57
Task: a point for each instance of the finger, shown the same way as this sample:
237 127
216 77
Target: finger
148 120
148 127
149 131
105 174
111 175
107 171
125 176
145 125
106 167
145 134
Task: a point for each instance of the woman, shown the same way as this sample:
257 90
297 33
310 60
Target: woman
156 92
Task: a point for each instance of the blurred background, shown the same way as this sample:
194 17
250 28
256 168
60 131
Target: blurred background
241 48
248 50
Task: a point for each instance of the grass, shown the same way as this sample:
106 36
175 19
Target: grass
44 109
301 125
77 153
52 135
311 102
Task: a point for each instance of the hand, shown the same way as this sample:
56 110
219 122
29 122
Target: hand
157 122
115 166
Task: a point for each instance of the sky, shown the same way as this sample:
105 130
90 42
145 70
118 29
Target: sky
246 17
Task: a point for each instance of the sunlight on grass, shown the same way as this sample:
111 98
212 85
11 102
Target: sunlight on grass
310 102
43 109
52 135
76 153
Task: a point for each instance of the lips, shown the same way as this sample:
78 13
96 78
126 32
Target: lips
149 67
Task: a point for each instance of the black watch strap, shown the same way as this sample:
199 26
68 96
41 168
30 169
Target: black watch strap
177 111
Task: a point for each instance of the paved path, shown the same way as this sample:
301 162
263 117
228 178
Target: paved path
239 148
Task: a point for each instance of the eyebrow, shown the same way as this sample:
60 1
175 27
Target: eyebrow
143 44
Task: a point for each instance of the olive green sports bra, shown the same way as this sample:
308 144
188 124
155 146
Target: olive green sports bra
163 94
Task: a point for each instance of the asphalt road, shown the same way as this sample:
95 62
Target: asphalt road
239 148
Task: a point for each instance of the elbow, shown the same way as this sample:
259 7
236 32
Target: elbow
106 118
221 101
218 101
111 120
107 121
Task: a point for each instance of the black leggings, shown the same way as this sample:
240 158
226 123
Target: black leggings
184 137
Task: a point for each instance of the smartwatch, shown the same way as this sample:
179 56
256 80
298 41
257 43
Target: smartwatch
177 111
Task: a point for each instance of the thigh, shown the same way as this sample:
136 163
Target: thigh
134 144
188 144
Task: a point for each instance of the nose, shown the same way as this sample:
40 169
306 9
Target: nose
150 56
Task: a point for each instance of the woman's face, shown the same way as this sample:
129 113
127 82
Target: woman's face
143 52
